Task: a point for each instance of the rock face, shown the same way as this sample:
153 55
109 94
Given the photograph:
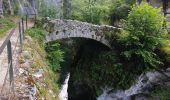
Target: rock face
60 29
142 87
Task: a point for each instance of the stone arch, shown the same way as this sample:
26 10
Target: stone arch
60 29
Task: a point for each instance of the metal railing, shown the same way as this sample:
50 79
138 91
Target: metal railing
7 86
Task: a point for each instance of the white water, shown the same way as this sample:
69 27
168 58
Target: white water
63 95
144 83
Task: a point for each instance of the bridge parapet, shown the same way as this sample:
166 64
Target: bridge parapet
60 29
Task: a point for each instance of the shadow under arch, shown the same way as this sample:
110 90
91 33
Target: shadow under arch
74 48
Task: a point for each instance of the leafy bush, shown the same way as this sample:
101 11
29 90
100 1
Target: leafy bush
36 33
103 69
144 25
91 11
54 55
119 10
98 12
164 52
107 67
48 9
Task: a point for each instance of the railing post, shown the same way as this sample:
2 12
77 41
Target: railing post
20 36
23 27
9 51
26 22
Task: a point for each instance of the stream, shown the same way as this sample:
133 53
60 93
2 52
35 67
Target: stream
138 91
63 95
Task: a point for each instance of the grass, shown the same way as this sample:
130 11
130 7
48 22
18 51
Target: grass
6 24
50 78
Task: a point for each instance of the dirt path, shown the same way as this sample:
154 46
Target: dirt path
3 57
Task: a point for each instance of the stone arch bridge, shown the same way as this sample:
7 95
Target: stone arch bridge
61 29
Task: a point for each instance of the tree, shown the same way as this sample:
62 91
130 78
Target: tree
92 11
11 10
66 9
145 27
1 8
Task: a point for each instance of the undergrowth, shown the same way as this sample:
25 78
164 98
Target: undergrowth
162 92
5 25
50 78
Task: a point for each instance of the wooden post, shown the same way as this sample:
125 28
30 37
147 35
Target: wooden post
26 22
23 27
11 77
20 36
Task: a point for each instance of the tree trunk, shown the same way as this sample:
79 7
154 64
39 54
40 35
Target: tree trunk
165 6
66 9
1 9
11 10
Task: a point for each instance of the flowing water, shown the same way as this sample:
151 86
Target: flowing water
108 93
140 90
63 95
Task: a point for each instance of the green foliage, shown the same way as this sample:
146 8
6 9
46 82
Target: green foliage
5 25
130 2
16 8
38 60
144 25
145 19
36 33
107 67
119 10
164 52
162 92
54 55
103 69
48 9
92 11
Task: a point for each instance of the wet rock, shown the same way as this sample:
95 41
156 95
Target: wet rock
143 97
108 94
140 90
168 69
